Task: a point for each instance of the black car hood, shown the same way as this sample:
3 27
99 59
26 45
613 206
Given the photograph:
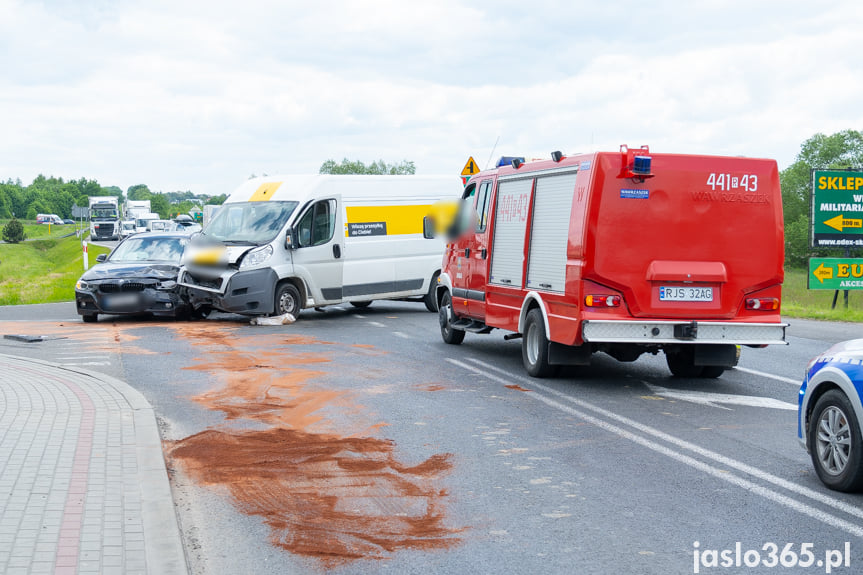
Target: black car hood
110 270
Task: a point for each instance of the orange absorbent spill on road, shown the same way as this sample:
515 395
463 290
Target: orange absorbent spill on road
333 498
516 387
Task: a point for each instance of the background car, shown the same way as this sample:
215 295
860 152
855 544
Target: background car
68 221
138 276
829 415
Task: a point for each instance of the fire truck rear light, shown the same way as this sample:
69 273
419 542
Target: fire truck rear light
602 301
762 303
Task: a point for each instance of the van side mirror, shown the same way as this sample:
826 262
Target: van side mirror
428 227
291 239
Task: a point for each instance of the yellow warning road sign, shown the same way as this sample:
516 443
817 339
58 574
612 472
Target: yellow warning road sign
470 168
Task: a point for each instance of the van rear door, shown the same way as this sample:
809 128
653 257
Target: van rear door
692 240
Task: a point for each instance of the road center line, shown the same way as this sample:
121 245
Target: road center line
706 453
796 382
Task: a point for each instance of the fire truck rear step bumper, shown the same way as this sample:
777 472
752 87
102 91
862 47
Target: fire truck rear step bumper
669 331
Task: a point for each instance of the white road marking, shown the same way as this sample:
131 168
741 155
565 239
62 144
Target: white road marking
401 335
85 363
796 382
376 324
360 316
711 399
706 453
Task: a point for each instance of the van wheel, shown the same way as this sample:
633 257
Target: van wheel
89 317
361 304
447 332
681 362
534 346
430 300
835 442
287 300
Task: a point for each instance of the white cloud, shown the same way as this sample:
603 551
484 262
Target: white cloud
198 96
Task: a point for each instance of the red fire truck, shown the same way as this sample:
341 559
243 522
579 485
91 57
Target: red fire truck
624 253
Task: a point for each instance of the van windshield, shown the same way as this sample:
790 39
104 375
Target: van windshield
253 223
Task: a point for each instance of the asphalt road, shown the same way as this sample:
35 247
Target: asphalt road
356 441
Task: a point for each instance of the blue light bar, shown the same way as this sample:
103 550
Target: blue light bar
507 160
641 165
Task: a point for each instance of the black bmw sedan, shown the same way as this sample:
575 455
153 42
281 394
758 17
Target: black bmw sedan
138 276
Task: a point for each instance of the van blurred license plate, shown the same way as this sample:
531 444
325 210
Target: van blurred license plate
121 300
669 293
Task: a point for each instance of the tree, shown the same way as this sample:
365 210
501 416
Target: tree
835 152
160 205
376 168
139 192
13 231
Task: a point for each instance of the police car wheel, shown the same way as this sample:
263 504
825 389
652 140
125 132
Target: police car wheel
835 442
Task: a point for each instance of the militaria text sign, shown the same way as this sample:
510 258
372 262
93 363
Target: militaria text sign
837 209
836 273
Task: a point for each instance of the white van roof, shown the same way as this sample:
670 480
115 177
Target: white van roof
351 187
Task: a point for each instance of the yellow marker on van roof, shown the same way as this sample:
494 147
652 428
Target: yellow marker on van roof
265 192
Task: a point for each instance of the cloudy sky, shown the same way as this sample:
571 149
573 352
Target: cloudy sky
189 95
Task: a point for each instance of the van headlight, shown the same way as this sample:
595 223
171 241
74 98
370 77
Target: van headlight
256 257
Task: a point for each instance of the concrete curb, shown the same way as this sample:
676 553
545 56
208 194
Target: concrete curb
163 541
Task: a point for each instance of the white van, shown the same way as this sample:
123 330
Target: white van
280 244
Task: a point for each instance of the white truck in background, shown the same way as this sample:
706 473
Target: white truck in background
143 221
104 218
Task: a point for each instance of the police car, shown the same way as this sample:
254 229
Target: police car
829 415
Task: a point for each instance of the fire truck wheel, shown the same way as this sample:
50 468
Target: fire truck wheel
430 300
712 371
447 332
681 362
534 346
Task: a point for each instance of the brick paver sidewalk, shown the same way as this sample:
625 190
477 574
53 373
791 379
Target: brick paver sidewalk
83 485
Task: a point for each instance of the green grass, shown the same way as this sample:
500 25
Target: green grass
42 271
798 301
32 230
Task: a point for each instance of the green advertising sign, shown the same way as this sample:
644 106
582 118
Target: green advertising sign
836 273
837 209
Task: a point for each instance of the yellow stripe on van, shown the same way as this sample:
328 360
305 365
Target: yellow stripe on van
265 192
399 219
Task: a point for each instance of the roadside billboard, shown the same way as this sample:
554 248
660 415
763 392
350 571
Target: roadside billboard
837 209
836 273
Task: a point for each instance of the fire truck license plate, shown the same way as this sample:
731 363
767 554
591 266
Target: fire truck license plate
675 293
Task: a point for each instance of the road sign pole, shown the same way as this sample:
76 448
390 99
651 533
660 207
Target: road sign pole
86 263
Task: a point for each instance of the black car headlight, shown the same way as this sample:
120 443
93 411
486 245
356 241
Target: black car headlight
166 285
82 285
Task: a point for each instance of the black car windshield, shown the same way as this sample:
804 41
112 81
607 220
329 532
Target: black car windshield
153 249
255 223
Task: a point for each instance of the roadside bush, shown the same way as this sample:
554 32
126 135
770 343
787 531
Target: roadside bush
13 232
